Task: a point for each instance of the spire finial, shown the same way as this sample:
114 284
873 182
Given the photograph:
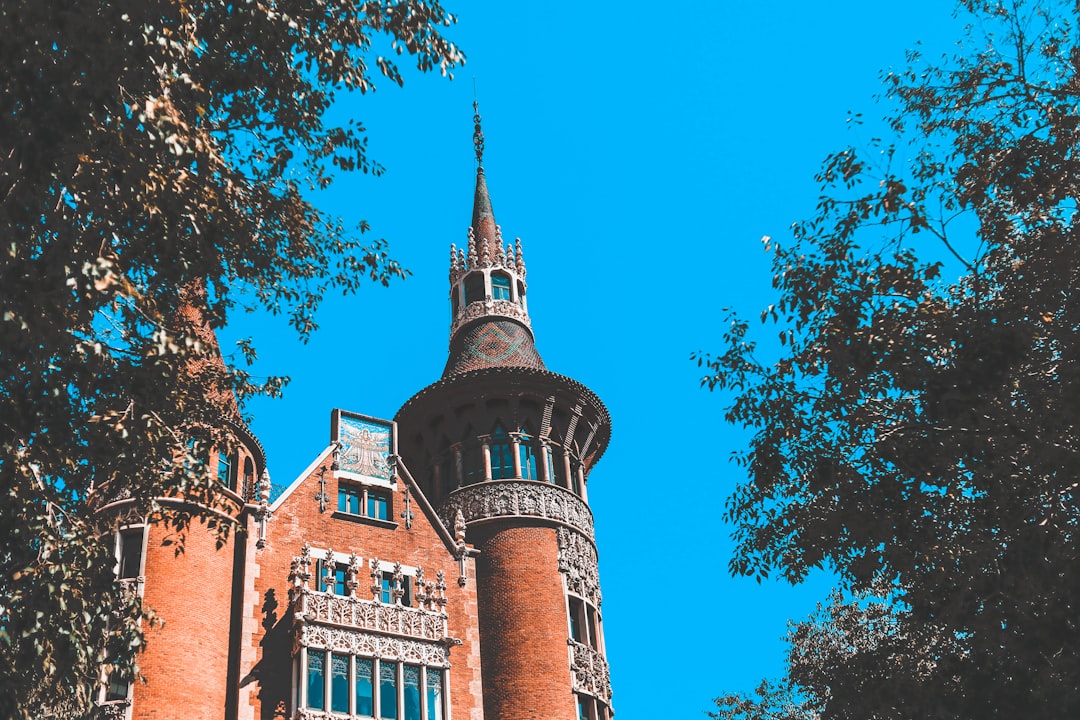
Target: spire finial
478 135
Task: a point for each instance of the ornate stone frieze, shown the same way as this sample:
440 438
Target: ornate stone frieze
590 671
358 642
518 498
112 710
506 308
578 561
321 607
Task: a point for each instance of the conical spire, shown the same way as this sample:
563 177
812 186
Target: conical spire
486 233
490 324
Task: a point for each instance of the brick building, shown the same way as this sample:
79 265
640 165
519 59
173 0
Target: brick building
438 566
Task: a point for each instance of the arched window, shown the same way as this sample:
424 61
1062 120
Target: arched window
502 457
500 286
474 288
249 480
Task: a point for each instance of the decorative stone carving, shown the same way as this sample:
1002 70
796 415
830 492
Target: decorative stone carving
414 622
578 561
518 498
359 642
475 310
112 710
590 671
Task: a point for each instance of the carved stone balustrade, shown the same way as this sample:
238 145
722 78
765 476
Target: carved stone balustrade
498 499
590 671
352 612
486 308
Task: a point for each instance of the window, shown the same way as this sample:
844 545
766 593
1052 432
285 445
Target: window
118 686
434 706
386 590
402 692
584 623
226 470
474 288
359 500
365 688
500 286
130 548
527 458
336 584
556 468
378 505
502 458
388 700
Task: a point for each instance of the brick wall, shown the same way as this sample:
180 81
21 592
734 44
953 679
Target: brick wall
523 625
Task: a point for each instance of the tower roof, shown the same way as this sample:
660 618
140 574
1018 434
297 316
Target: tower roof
490 326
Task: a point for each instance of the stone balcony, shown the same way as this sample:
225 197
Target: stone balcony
311 606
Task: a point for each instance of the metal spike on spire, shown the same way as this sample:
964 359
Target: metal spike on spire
478 136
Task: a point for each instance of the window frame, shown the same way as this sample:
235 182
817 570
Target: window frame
428 706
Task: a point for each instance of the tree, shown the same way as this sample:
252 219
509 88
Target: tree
150 149
917 434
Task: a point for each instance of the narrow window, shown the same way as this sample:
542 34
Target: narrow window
249 480
131 547
435 695
378 505
594 641
386 589
226 470
365 689
455 302
473 463
118 686
575 476
502 458
349 499
500 286
339 683
411 694
316 681
556 469
577 621
474 288
388 690
527 456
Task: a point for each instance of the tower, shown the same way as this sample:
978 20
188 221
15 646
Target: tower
505 446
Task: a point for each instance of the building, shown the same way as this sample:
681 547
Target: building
438 566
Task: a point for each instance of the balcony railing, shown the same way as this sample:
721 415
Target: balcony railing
352 612
590 671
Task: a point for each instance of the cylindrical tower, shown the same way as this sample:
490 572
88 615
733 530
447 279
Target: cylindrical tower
506 445
188 578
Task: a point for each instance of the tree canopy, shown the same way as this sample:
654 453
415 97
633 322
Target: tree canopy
150 149
917 432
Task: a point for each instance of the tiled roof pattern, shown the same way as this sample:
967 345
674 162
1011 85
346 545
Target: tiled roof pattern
492 343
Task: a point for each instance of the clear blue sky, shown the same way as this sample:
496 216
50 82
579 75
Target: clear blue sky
640 150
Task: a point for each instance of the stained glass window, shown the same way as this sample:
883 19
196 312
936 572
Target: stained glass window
339 683
435 695
411 692
365 689
388 690
316 680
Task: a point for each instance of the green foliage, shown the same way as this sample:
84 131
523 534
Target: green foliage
150 149
918 433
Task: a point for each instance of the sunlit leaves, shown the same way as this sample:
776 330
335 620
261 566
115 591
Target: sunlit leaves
915 427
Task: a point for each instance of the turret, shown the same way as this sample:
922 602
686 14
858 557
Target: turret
507 446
